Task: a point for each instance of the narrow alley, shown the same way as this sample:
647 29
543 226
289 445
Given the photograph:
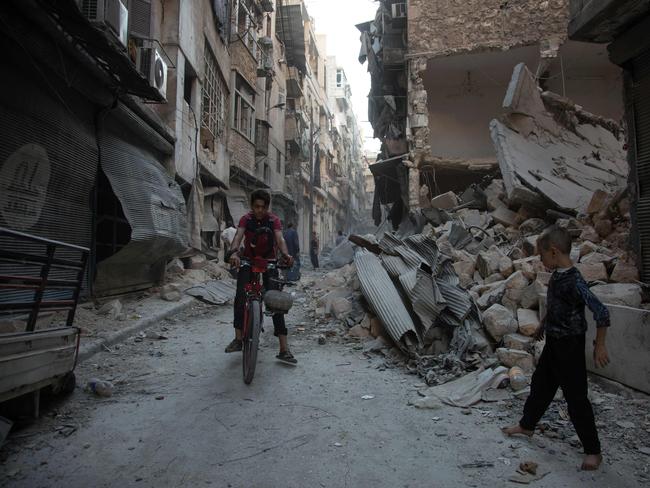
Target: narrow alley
180 415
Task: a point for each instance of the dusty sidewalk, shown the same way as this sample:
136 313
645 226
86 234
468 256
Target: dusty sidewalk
181 416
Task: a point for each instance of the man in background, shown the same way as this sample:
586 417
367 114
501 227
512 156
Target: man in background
293 245
314 246
340 238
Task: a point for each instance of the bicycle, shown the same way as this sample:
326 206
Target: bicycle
276 301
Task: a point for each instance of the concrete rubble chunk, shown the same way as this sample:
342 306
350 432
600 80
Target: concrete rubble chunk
487 263
342 255
518 379
505 216
198 261
528 321
592 272
358 331
603 227
494 278
588 247
499 321
517 341
175 266
529 245
494 295
340 308
528 266
506 267
544 277
514 357
625 273
445 201
596 257
532 226
628 294
112 308
170 293
465 271
517 280
326 300
531 295
589 234
600 200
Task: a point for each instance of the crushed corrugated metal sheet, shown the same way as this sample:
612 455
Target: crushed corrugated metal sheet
383 297
216 292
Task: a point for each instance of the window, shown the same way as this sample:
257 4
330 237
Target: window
278 161
214 96
189 82
339 78
244 109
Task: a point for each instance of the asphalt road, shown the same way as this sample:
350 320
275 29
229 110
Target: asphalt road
182 416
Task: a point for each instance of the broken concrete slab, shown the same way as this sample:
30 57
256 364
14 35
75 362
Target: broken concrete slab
628 294
562 164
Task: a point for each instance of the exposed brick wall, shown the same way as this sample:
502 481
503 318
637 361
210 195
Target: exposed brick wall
243 61
242 151
441 27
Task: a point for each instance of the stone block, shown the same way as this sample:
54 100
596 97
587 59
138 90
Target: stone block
592 272
358 331
170 293
625 273
528 321
517 280
595 257
499 321
531 294
505 216
589 234
532 226
628 294
517 341
515 357
340 308
506 267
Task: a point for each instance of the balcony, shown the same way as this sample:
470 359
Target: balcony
265 67
294 83
261 138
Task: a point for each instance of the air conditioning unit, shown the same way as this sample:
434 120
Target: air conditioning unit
110 14
399 10
152 65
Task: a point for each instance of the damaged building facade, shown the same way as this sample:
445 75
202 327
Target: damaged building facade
83 158
179 111
449 108
324 165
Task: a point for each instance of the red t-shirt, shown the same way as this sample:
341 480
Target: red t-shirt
265 247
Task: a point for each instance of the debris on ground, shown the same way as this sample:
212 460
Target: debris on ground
99 387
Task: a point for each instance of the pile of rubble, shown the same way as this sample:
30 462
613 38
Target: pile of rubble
467 291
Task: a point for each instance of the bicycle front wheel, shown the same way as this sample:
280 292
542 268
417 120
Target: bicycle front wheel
252 340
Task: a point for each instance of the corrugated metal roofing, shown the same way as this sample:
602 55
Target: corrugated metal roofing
382 295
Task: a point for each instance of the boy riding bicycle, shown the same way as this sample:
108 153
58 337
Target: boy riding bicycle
259 245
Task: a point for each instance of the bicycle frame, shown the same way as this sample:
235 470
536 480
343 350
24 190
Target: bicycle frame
254 287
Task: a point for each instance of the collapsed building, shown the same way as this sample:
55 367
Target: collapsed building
505 126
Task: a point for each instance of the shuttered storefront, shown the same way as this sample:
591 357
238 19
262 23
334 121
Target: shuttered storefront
48 164
641 102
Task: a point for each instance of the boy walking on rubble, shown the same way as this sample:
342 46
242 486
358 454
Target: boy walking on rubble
562 363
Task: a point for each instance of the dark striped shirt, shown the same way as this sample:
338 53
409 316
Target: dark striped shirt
567 296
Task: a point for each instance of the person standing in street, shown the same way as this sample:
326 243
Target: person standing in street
313 249
293 245
228 235
340 238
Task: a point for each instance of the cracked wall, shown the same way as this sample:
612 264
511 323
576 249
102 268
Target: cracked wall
443 27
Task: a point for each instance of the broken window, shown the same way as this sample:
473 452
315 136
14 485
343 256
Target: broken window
278 161
214 96
244 109
339 78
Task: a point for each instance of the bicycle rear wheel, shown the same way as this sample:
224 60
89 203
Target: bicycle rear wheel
252 340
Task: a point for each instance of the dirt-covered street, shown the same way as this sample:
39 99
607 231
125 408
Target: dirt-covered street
180 415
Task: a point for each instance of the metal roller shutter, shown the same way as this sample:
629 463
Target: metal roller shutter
641 101
48 165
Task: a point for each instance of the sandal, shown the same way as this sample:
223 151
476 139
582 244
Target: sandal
287 357
235 346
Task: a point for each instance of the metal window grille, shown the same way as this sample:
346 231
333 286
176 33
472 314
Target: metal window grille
214 96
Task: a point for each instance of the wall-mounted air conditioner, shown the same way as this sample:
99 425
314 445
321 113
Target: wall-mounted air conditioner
399 10
109 14
152 65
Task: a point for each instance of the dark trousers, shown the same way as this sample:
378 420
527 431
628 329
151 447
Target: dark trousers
314 259
562 364
243 277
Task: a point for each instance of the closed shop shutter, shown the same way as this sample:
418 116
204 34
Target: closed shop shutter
641 101
48 165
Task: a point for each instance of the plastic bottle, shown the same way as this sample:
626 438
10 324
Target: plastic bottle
100 388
